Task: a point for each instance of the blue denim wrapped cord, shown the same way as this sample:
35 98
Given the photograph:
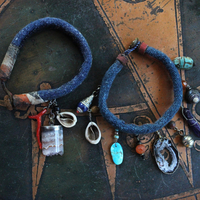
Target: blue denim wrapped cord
13 50
146 128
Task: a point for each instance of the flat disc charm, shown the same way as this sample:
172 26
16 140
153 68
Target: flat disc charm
117 153
168 163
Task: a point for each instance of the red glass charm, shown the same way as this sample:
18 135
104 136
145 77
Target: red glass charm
140 149
184 84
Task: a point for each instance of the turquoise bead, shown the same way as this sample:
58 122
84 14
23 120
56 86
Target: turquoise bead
117 153
116 136
183 62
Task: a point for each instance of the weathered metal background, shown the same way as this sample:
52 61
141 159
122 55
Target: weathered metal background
140 94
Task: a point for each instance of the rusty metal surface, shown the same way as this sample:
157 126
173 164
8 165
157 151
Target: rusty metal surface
140 94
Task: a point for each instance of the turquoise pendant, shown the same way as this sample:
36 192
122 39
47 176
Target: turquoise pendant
117 153
183 62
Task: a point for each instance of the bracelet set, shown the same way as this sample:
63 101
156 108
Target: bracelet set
50 138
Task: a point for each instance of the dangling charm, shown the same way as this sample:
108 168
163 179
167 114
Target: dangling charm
116 150
38 117
191 95
52 140
52 135
192 122
66 119
186 139
92 131
184 62
85 104
161 146
140 148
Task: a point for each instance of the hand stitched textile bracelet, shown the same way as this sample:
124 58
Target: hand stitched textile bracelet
112 73
38 97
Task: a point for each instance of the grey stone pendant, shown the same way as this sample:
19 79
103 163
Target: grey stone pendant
166 155
52 140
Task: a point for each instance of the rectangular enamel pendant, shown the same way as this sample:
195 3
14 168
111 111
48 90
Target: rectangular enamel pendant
52 140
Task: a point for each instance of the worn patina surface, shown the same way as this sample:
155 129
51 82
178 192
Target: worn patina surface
140 94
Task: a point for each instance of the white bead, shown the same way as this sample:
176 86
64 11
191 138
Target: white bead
196 100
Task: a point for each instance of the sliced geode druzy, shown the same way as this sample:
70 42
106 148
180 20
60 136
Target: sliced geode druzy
170 165
117 153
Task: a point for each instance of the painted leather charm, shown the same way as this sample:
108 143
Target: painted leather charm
93 133
117 153
67 119
183 62
84 105
52 140
164 145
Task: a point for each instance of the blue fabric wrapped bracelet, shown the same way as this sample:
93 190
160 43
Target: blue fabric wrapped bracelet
38 97
111 75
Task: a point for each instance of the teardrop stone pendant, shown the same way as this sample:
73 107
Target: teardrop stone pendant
116 150
117 153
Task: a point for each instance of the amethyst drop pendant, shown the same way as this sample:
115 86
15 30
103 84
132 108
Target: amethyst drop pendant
192 122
